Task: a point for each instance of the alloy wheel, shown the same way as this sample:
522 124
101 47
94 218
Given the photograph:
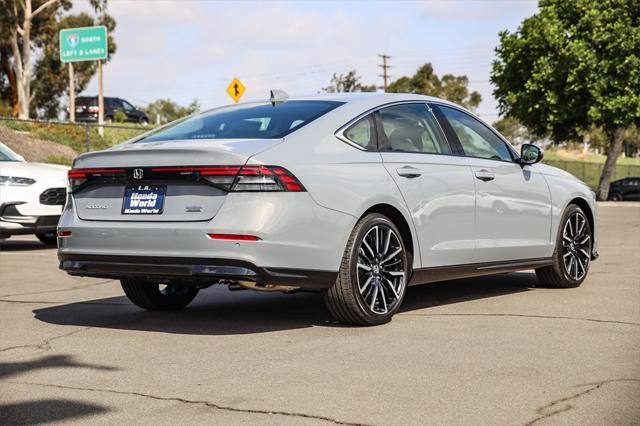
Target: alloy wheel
381 269
576 246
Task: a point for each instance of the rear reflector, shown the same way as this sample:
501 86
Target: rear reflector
237 237
63 234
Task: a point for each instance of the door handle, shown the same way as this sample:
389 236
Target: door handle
408 172
484 175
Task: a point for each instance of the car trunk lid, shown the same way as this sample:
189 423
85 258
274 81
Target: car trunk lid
120 180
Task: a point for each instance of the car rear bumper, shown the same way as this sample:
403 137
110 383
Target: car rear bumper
205 269
293 233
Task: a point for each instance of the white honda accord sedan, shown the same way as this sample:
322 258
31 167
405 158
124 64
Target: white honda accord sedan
354 195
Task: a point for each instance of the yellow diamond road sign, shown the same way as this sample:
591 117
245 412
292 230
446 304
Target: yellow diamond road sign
236 89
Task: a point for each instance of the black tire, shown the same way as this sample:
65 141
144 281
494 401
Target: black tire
49 238
345 300
570 253
144 121
615 197
150 295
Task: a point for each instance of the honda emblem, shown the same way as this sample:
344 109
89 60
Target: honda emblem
138 173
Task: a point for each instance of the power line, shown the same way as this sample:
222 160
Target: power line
385 75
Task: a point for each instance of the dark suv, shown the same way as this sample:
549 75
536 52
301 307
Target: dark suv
87 110
627 189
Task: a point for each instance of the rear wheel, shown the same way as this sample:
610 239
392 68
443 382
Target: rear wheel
573 252
49 238
158 297
373 274
615 197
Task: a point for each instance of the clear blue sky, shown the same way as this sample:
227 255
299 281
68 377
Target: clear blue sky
191 49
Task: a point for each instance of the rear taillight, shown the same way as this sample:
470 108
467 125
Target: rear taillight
228 178
242 178
266 178
77 177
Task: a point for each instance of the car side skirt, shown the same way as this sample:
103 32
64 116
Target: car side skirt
191 269
444 273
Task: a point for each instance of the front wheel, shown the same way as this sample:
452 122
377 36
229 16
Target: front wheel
158 297
373 274
572 254
49 238
615 197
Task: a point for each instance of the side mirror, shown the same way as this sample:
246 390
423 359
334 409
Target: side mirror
530 154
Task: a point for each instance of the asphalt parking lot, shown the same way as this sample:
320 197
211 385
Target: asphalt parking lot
492 350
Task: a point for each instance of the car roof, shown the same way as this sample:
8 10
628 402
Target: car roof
358 100
369 97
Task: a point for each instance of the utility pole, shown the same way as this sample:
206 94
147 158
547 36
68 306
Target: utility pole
100 100
72 94
385 67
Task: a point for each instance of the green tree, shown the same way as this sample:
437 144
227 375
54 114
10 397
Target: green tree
573 67
32 78
514 131
449 87
167 110
347 83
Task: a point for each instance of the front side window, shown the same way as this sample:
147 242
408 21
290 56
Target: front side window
251 121
476 138
412 128
127 106
363 133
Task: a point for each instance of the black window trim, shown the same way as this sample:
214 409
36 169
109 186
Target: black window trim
343 137
515 158
340 133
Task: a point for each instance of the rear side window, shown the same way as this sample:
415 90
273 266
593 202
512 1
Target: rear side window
412 128
253 121
476 138
363 133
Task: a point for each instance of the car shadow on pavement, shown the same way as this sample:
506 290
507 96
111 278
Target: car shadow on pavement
23 245
45 411
11 369
217 311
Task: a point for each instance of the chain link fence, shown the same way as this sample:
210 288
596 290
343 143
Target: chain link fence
590 173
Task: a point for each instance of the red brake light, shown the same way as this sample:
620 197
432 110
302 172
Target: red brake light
63 234
251 178
79 176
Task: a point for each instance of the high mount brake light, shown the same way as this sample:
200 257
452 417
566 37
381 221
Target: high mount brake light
230 178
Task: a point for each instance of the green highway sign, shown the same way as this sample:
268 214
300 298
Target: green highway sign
83 44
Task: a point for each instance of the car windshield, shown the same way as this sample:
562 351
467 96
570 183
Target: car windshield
7 155
252 121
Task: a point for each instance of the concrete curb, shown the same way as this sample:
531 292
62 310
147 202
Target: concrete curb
618 203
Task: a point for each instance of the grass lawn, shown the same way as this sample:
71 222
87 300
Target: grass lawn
75 136
576 155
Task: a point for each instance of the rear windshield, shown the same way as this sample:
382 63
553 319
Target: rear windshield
253 121
85 101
